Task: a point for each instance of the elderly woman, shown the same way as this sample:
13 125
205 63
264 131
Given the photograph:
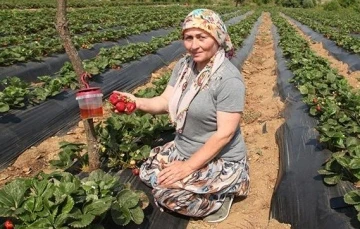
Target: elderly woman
199 173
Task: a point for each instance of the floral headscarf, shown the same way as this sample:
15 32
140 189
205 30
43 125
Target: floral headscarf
210 22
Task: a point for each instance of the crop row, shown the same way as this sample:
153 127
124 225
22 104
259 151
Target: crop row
18 93
332 101
344 40
47 44
39 45
347 21
21 23
38 4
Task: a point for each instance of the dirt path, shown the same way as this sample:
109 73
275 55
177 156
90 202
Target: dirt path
352 77
261 120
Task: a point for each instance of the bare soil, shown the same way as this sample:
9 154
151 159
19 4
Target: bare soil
261 119
353 77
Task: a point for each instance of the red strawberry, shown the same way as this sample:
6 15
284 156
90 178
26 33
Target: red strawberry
8 224
114 98
135 171
318 108
130 107
120 106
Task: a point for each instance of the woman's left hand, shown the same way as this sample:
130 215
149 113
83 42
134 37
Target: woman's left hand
173 172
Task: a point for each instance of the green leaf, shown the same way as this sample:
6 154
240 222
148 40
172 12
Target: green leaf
343 161
332 179
4 107
331 77
84 221
354 163
357 207
137 215
29 204
69 204
61 220
325 172
98 207
39 187
41 223
352 141
12 195
352 197
143 199
303 90
121 216
38 204
127 198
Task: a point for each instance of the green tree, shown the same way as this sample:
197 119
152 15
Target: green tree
239 2
308 4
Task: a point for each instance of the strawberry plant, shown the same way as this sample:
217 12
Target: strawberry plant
333 102
62 200
69 154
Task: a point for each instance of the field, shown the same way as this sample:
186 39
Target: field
301 122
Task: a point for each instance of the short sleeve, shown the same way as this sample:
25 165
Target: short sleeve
175 74
230 95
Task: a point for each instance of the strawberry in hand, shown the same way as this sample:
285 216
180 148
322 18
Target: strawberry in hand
122 103
114 98
130 107
120 106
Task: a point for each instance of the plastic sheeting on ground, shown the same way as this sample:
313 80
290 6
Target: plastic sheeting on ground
353 60
29 71
22 129
301 198
236 20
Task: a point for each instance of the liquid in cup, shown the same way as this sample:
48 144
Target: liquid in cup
90 103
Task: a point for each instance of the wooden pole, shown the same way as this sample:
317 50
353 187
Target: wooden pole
64 32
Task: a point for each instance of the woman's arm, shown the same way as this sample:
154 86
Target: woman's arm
155 105
227 123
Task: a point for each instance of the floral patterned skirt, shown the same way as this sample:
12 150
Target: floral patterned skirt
202 192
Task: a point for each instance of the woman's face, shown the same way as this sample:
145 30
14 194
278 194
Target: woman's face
201 45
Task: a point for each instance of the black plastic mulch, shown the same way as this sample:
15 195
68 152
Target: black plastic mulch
301 198
352 59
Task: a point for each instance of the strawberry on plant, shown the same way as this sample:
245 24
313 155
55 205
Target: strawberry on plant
135 171
132 162
318 108
315 100
120 106
8 224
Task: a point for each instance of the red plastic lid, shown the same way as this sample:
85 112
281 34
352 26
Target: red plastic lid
89 91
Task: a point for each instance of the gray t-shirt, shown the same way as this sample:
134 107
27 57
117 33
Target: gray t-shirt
225 92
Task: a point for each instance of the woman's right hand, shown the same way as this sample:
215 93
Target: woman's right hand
133 99
130 96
